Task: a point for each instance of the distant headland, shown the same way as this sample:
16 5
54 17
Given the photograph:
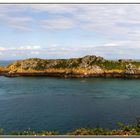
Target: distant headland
88 66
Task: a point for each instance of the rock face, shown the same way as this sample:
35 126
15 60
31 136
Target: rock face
41 64
34 63
95 69
88 61
2 70
131 69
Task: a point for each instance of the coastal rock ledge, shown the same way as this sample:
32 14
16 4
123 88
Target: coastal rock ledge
88 66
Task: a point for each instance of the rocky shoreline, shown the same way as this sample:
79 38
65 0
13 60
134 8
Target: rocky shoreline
67 75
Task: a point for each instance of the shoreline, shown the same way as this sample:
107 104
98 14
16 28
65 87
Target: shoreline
72 75
84 67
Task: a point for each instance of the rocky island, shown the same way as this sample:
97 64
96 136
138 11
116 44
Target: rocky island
88 66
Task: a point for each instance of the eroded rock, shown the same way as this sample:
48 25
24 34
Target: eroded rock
132 69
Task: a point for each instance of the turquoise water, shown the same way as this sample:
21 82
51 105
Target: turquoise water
64 104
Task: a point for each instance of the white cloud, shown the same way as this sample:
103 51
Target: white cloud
117 26
35 53
29 47
20 23
103 19
111 21
110 44
21 48
54 8
107 50
57 23
2 49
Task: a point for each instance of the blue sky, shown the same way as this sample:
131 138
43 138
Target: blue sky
69 30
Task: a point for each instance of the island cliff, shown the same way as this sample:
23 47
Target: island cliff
88 66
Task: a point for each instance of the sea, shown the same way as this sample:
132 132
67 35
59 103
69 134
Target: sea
60 104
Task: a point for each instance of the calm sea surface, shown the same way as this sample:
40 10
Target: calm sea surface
42 103
5 63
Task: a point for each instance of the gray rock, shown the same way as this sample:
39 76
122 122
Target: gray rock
131 69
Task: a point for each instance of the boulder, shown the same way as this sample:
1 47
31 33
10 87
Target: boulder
131 69
90 60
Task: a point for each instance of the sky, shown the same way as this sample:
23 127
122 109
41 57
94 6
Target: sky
69 30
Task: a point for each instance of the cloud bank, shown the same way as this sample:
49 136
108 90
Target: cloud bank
112 31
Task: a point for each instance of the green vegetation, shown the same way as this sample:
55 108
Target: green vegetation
124 130
84 62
